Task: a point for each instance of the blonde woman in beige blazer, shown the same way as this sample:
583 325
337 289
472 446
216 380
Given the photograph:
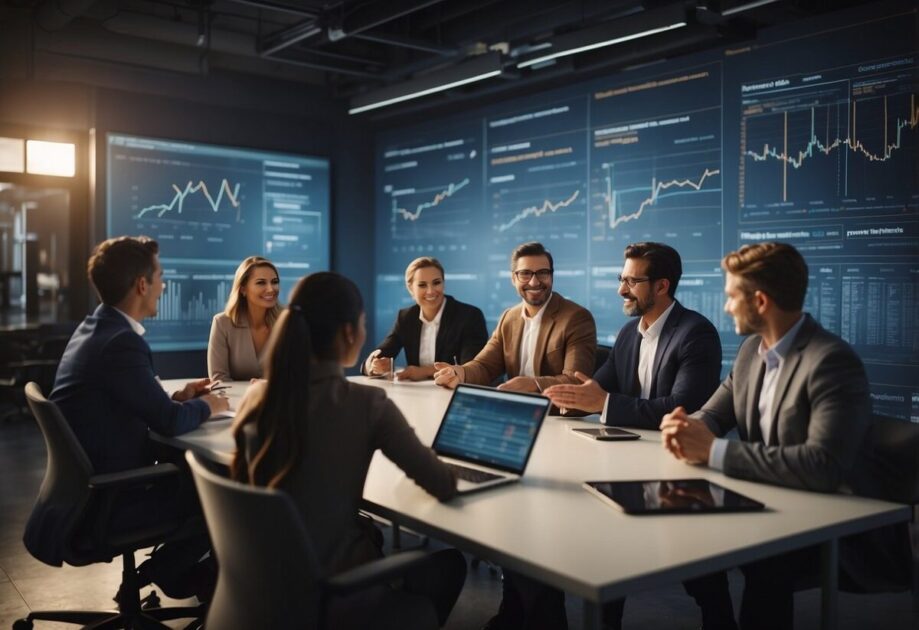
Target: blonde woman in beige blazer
240 333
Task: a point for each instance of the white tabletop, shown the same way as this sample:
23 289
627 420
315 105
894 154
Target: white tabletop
550 528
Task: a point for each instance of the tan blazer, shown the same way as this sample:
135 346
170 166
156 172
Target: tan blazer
566 343
231 352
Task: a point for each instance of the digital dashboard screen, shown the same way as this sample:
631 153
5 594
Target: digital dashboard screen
209 207
807 135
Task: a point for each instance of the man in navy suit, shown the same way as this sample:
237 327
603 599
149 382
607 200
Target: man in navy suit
109 394
667 357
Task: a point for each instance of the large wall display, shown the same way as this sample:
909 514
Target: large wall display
809 135
209 207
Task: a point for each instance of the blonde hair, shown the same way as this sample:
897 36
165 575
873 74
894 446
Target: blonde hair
236 307
422 263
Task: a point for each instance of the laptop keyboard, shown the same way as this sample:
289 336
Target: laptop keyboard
471 474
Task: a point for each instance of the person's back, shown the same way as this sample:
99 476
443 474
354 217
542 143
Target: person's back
98 395
108 392
105 385
308 431
348 423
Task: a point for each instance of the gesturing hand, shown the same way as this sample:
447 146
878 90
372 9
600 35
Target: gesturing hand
588 396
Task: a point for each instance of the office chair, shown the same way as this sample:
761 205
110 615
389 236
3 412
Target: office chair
888 469
71 523
601 356
269 575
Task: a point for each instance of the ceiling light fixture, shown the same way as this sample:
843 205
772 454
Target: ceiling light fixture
481 68
613 32
746 7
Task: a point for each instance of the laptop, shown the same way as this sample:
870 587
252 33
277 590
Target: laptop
487 435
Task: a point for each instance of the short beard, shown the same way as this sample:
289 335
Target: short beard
531 302
638 309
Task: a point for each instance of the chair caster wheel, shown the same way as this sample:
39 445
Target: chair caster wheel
22 624
150 601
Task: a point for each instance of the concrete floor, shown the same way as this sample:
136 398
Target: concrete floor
28 584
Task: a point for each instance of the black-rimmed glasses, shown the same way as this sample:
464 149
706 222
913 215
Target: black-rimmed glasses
632 281
525 275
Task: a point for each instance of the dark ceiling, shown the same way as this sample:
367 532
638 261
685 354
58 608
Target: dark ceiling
354 47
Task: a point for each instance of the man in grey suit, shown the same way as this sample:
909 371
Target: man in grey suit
798 397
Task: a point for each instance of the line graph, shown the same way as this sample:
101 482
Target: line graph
444 194
852 142
178 201
539 210
657 187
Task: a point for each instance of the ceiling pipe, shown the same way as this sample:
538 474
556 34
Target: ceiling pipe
53 15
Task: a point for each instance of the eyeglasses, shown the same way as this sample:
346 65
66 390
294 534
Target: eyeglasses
632 281
525 275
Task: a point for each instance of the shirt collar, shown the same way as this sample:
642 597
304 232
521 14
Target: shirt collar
437 317
135 325
772 356
538 316
654 330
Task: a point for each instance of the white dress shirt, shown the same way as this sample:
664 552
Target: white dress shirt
774 358
530 333
650 335
428 343
135 325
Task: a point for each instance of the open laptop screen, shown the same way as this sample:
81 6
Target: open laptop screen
491 427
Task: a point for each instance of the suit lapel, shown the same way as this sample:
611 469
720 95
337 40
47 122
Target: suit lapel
754 387
545 327
666 335
411 338
631 386
513 340
789 366
446 319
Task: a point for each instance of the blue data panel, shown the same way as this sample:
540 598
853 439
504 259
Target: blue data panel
808 135
209 207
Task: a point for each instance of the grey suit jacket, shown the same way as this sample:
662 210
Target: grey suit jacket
821 438
231 352
822 413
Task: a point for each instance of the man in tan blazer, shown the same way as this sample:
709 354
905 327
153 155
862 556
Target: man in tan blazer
541 342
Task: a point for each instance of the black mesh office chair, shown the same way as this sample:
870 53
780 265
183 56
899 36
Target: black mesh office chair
71 522
269 576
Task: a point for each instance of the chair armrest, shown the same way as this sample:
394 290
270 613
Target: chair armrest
132 477
382 570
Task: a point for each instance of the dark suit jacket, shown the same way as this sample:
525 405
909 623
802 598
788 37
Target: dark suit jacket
686 370
819 437
107 390
461 335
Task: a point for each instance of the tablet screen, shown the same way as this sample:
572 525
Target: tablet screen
671 496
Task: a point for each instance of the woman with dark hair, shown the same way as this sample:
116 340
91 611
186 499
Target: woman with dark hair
240 333
437 328
311 432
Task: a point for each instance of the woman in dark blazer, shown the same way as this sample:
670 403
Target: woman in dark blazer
437 328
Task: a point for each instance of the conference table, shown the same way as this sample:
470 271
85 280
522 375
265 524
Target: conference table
549 528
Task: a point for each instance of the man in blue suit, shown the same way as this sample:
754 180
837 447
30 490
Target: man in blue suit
667 357
108 392
105 384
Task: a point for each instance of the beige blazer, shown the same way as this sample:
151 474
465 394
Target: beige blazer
566 343
231 352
